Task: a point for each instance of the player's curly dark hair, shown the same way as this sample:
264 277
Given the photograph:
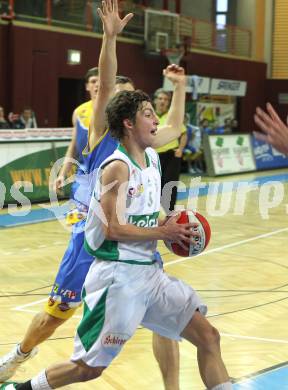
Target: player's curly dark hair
124 105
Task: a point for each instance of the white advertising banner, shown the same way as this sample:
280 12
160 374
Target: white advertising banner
231 153
228 87
202 84
36 134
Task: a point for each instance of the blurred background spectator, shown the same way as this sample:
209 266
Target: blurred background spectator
28 118
234 125
193 153
205 127
3 123
227 125
14 120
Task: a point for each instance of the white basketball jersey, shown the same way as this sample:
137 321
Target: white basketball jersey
142 209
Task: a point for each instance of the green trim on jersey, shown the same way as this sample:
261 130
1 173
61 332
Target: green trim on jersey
92 322
6 384
123 150
107 251
159 165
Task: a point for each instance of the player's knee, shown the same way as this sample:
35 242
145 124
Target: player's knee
210 338
86 373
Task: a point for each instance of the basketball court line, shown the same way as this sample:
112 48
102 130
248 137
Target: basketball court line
219 249
227 246
23 308
266 340
273 378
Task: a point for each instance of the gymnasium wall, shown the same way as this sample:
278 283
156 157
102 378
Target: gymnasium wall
40 59
37 59
4 63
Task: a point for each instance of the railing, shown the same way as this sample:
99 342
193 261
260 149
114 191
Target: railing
82 15
209 36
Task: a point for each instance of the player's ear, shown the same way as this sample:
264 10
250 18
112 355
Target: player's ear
128 124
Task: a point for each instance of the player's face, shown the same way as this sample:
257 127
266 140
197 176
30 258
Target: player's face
162 102
123 87
146 124
92 86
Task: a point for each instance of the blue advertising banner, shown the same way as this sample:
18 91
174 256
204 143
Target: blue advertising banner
266 157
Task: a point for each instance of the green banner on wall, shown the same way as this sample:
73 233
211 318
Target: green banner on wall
27 170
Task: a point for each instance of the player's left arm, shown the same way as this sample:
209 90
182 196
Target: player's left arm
112 26
175 117
69 156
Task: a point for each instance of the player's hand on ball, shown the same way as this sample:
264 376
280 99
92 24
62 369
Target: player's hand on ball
197 233
180 233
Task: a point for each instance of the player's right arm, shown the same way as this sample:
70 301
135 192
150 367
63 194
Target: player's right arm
70 154
112 26
114 181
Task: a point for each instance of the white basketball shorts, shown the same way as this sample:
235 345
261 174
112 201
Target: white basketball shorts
118 297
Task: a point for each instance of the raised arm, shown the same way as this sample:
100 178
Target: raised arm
175 117
274 131
70 154
112 26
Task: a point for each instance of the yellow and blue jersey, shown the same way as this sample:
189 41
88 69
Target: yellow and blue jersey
89 162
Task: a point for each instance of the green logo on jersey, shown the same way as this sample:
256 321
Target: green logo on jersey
147 220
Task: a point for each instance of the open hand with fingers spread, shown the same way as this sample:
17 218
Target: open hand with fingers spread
175 73
274 130
112 23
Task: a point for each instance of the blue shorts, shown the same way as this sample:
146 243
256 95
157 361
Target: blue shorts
65 296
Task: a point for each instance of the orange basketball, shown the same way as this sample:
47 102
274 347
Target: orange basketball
201 242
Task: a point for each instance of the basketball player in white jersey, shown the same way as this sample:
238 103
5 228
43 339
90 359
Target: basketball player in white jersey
125 286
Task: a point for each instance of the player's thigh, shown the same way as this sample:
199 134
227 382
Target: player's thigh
112 312
172 307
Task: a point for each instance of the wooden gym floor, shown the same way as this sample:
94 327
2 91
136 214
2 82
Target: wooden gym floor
242 276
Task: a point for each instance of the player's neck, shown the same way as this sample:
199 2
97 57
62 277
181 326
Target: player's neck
136 152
